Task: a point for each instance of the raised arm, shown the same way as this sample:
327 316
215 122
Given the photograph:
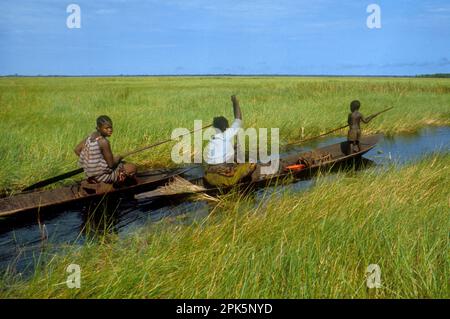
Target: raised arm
236 108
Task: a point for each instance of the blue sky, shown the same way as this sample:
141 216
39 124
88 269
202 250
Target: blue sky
316 37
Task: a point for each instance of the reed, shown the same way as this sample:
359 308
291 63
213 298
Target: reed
317 244
42 119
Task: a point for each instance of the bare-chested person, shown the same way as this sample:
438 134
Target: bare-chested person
354 122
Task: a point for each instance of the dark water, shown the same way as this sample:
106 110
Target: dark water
25 242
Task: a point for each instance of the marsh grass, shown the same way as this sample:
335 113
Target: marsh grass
317 245
42 119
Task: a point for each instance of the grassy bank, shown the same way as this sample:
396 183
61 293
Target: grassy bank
42 119
317 244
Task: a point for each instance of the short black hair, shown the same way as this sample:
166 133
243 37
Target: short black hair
221 123
355 105
103 119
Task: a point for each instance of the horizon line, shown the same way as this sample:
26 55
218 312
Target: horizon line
225 75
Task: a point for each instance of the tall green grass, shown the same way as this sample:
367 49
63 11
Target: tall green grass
317 244
42 119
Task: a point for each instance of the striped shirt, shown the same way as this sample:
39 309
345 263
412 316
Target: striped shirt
94 164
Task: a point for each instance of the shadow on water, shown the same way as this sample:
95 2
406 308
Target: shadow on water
25 239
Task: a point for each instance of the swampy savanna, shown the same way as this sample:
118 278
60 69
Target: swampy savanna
292 241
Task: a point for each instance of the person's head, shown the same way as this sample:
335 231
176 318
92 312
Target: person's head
221 123
355 105
104 125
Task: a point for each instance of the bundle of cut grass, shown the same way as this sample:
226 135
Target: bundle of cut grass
179 185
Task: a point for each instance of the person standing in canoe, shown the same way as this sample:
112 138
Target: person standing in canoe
222 169
354 123
97 159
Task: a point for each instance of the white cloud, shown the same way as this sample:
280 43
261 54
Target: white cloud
438 9
105 11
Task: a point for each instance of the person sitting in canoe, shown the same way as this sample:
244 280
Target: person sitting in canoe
222 170
97 159
354 121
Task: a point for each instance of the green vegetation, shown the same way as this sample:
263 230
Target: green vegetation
436 75
42 119
314 244
317 244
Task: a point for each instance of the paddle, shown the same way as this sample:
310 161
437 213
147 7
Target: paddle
337 129
80 170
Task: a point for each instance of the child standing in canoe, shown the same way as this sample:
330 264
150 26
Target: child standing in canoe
96 157
354 123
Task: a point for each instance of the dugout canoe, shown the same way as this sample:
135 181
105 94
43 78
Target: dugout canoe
78 192
295 166
328 157
150 183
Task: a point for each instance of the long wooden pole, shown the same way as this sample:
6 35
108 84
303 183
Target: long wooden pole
77 171
336 129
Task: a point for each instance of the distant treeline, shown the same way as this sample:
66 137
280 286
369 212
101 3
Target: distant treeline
437 75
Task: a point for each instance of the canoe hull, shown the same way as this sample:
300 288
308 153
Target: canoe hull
151 180
339 155
36 200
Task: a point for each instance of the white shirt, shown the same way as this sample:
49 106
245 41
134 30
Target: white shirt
221 147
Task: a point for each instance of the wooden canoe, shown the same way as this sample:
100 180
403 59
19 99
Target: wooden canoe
33 200
148 182
333 155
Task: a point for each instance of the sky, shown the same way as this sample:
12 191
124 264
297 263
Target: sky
174 37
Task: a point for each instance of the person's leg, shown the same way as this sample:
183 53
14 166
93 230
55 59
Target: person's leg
351 138
351 147
358 138
125 172
129 169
